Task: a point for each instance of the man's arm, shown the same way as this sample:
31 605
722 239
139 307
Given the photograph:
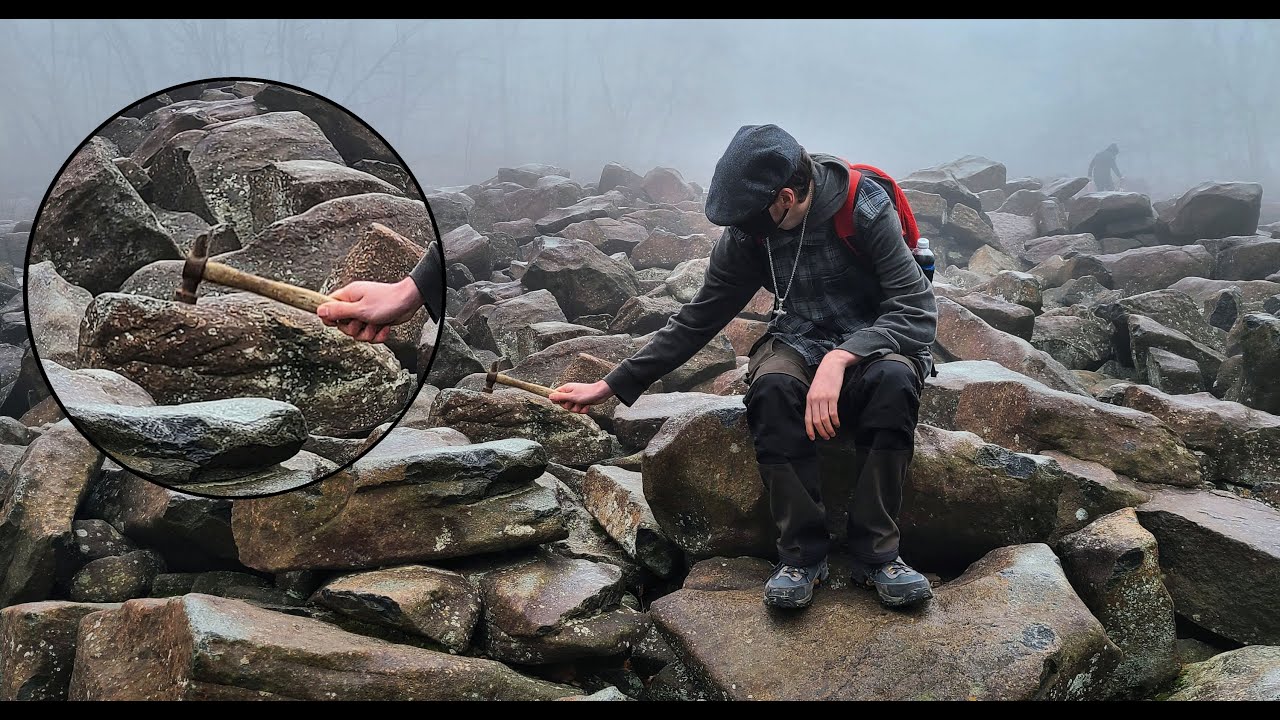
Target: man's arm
733 277
428 276
908 319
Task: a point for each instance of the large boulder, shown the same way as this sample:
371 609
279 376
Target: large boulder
442 502
1247 258
436 604
1110 214
665 250
245 345
940 181
496 327
636 425
353 140
1079 340
665 185
40 502
94 226
190 532
38 647
615 497
1248 673
1115 568
703 484
569 438
1196 529
1215 210
552 609
229 155
585 209
964 336
196 442
989 634
290 187
1155 268
56 309
584 280
1142 334
1260 343
1039 249
1019 413
965 497
201 647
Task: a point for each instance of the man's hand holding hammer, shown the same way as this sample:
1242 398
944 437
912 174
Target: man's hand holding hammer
371 308
577 397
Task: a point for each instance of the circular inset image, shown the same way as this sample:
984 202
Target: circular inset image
233 287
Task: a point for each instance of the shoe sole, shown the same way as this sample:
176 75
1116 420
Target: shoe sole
913 596
782 602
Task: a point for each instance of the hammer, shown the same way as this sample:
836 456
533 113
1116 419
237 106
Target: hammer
496 377
199 267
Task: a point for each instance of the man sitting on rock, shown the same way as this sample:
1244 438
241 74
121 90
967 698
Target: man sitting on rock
847 346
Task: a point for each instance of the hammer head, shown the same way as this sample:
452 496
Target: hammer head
193 270
491 377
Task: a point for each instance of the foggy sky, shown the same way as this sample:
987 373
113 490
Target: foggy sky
1187 101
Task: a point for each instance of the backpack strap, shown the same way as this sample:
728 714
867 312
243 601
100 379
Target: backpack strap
844 221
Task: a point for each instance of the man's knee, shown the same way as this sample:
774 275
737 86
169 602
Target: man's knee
775 391
891 395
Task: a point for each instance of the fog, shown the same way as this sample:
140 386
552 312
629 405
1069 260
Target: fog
1186 101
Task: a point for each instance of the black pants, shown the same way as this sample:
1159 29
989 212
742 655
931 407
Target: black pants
879 406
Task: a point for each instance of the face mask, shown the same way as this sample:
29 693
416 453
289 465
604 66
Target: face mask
760 225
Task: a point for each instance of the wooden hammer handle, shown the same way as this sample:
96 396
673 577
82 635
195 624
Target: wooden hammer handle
531 387
298 297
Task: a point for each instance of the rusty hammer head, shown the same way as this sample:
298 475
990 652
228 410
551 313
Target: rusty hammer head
193 270
491 377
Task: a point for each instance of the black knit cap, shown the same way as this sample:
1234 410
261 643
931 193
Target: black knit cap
756 165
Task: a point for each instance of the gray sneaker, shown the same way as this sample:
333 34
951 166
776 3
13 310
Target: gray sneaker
792 587
895 582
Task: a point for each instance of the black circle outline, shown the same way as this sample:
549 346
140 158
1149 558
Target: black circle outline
35 223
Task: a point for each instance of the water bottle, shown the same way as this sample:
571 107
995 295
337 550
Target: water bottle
924 256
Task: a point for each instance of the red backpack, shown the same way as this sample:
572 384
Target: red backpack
845 222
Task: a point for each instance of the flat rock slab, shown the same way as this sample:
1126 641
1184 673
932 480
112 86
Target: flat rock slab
38 646
201 647
211 440
1010 628
243 345
440 503
1201 533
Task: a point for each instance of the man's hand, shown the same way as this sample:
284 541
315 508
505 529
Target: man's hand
820 414
371 308
577 397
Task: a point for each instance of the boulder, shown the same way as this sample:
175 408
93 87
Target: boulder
94 226
242 345
569 438
1114 566
989 634
1021 414
201 647
1195 530
444 501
